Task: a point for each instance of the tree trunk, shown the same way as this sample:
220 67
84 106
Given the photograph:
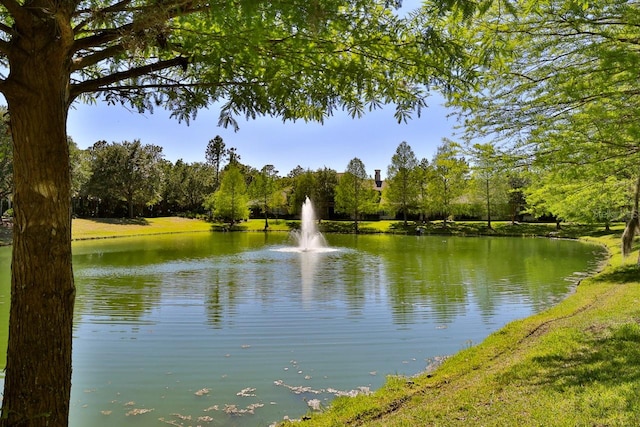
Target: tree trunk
355 217
488 205
130 206
633 225
38 371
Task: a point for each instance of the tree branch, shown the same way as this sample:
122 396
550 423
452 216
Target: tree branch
149 17
15 10
100 83
102 37
117 7
93 59
7 30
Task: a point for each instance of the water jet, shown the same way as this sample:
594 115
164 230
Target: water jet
308 238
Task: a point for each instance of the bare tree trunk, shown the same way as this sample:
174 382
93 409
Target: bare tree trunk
38 371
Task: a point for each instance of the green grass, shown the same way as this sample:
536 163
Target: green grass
108 227
576 364
5 236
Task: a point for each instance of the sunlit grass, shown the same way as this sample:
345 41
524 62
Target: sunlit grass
104 228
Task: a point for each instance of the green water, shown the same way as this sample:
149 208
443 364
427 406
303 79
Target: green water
228 330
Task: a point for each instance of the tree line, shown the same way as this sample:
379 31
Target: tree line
131 179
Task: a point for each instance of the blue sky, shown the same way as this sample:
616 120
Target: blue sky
373 138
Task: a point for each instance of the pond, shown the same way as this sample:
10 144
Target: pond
229 329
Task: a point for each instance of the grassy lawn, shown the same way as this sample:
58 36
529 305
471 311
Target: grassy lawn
105 228
5 236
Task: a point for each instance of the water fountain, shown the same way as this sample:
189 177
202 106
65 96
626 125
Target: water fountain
309 239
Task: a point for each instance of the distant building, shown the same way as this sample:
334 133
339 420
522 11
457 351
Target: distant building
378 180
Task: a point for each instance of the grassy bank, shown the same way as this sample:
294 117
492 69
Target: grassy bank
577 364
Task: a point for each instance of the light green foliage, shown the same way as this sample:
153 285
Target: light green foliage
279 199
489 180
560 89
231 201
261 58
263 189
355 193
403 182
424 174
129 171
449 180
579 200
80 169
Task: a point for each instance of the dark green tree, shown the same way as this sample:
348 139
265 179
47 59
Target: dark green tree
424 174
303 186
129 171
172 197
325 191
186 185
215 154
518 182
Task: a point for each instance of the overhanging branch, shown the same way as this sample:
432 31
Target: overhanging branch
99 83
94 58
117 7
